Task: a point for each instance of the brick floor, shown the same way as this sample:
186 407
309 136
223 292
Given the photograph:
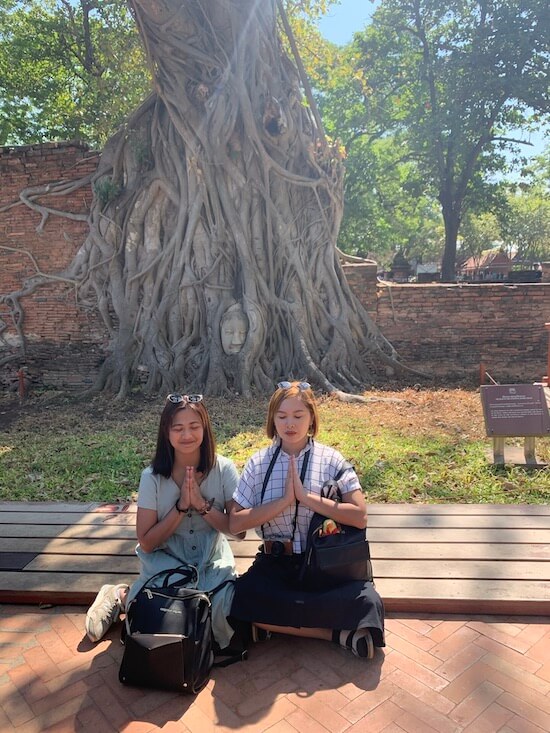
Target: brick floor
482 674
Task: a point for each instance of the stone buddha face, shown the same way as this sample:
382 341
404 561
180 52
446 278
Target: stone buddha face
233 329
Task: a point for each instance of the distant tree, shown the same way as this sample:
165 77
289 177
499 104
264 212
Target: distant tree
388 204
450 81
479 233
68 70
525 224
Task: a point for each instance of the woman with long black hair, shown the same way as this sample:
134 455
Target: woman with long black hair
184 500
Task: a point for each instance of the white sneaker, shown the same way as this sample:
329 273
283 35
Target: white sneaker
104 611
358 641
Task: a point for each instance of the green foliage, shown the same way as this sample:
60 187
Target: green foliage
388 208
435 90
106 190
67 70
525 223
479 232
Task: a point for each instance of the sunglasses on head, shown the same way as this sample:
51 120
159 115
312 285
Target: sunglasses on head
177 398
301 385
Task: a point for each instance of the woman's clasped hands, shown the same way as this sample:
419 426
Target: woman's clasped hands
294 488
190 493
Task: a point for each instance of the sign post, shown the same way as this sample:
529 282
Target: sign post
515 410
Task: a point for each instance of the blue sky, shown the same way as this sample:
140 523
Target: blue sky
343 20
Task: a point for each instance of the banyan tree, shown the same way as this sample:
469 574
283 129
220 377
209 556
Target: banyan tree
211 254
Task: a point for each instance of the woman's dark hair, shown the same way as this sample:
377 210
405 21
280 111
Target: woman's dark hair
163 460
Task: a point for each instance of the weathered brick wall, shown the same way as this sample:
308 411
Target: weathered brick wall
448 330
362 280
65 344
445 330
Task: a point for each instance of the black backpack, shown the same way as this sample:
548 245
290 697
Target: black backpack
168 634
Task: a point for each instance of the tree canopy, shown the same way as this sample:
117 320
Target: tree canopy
74 69
447 83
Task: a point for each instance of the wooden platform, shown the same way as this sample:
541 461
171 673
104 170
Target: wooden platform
451 558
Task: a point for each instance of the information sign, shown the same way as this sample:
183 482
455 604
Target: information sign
515 410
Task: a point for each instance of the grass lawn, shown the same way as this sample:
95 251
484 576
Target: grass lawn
407 446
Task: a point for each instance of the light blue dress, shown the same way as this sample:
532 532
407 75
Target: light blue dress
194 542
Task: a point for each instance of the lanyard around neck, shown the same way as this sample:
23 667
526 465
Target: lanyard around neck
268 474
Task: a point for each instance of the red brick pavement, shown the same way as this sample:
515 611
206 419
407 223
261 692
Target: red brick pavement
437 674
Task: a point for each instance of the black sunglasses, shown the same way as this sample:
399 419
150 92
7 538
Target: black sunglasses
301 385
177 398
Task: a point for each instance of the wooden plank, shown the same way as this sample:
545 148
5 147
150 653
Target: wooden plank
69 547
442 551
383 509
421 535
468 510
61 581
15 560
431 534
471 570
106 531
91 518
432 558
461 509
54 588
444 596
454 521
47 506
89 546
74 531
493 589
374 521
83 564
26 530
242 564
248 549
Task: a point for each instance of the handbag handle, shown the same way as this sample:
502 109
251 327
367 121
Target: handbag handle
189 572
332 483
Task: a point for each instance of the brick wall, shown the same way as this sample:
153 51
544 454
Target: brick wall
448 330
444 330
65 344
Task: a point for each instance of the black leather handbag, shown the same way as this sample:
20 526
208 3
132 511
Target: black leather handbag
334 559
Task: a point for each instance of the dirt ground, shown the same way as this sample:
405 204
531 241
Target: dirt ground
409 410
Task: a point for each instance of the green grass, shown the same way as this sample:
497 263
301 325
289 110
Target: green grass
62 450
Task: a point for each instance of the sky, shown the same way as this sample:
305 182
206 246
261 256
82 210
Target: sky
343 20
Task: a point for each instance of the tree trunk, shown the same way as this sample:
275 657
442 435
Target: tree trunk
451 218
211 252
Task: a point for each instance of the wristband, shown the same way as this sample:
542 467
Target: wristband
207 507
181 511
